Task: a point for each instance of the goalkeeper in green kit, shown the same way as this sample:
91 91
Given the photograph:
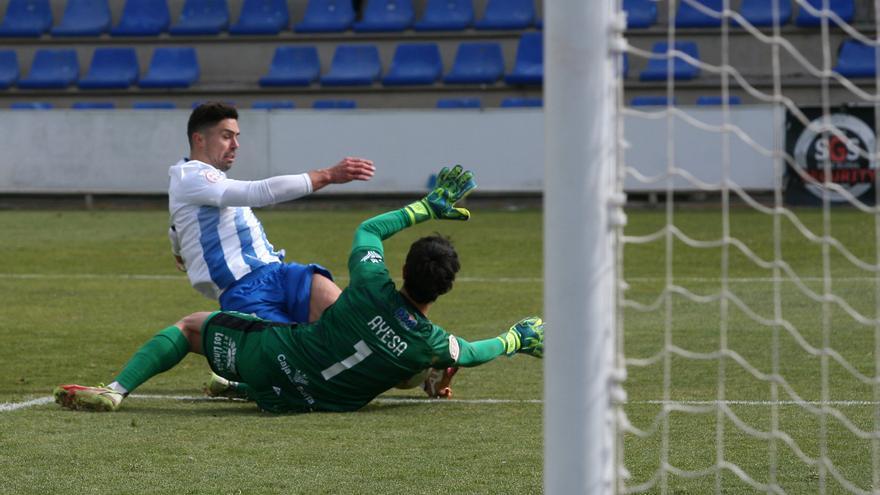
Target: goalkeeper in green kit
373 338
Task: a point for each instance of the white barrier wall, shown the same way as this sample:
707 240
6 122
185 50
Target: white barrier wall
121 151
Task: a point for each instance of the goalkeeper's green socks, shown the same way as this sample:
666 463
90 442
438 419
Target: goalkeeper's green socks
161 353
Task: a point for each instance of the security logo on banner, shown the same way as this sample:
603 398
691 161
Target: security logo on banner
849 163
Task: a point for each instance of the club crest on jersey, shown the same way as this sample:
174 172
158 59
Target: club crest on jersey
212 176
405 318
372 257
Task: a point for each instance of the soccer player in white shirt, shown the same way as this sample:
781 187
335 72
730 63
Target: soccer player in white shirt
219 242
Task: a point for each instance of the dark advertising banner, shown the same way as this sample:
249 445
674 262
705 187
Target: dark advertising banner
848 162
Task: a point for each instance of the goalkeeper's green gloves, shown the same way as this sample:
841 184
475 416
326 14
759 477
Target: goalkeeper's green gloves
525 336
452 185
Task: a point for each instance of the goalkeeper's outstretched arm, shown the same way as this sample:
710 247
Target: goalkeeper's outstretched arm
525 336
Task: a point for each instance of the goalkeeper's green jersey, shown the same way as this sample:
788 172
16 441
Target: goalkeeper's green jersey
368 341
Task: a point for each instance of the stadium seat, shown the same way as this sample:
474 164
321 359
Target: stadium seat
459 103
26 18
386 16
143 18
293 66
507 14
651 101
326 16
334 104
476 63
93 105
111 68
273 105
172 68
529 66
688 15
414 63
202 17
640 13
9 72
261 17
624 66
153 105
856 59
31 105
353 65
84 18
446 15
717 100
52 69
760 12
656 69
845 9
521 102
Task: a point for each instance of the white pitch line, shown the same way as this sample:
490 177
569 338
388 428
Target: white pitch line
12 406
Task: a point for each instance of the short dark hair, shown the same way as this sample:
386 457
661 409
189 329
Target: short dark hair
207 115
430 268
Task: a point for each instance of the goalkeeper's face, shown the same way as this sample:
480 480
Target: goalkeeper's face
219 144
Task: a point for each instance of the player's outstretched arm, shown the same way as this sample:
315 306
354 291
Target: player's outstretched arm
525 336
348 169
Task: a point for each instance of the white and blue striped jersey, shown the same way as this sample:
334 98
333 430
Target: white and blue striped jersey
218 244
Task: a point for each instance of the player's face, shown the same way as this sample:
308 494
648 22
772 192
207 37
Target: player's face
221 144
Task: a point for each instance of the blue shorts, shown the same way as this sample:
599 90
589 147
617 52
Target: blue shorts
276 292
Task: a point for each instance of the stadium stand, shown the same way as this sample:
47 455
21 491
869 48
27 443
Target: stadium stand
31 105
414 63
353 65
93 105
52 69
760 12
657 67
529 65
459 103
273 105
855 59
689 15
326 16
202 17
143 18
293 66
516 102
624 66
111 68
650 101
153 105
640 13
26 18
172 67
476 63
83 18
845 9
334 104
265 17
9 72
717 100
446 15
386 16
507 14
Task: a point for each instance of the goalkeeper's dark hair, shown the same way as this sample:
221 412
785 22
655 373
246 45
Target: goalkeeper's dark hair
208 115
430 268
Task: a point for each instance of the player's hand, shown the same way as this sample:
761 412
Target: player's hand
351 168
178 262
525 336
452 185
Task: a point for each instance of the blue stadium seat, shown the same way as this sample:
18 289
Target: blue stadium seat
202 17
273 105
334 104
9 72
845 9
261 17
84 18
414 63
507 14
717 100
153 105
26 18
640 13
651 101
293 66
459 103
31 105
353 65
690 16
93 105
172 68
760 12
52 69
476 63
143 18
326 16
111 68
656 69
529 66
855 59
514 102
386 16
446 15
624 69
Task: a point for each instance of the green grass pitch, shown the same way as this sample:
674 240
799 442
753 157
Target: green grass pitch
80 291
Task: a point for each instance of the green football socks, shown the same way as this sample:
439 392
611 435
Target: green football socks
161 353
